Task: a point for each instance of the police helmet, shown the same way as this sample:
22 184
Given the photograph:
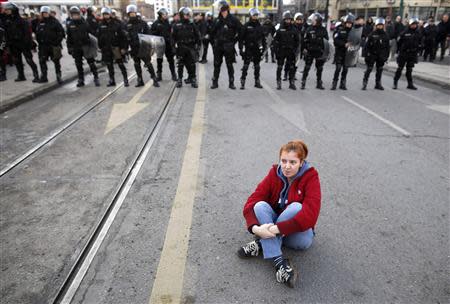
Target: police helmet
91 9
74 10
413 20
131 8
253 12
45 9
298 16
106 10
315 17
162 12
113 12
380 21
223 6
208 14
349 18
287 15
11 6
185 11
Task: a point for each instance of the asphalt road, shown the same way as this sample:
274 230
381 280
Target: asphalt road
383 160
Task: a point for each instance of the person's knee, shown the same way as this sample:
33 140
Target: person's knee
302 244
261 207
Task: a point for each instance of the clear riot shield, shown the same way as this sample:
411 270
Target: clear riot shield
149 45
354 38
90 50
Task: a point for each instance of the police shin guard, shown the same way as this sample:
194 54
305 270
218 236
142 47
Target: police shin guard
159 62
112 81
58 72
319 84
123 69
292 84
409 78
342 85
231 84
43 65
93 68
242 84
172 71
366 78
378 85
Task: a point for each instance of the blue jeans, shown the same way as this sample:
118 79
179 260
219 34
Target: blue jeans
272 247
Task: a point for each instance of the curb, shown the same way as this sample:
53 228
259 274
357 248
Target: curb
39 91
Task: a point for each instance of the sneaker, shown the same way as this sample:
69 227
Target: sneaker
286 274
249 250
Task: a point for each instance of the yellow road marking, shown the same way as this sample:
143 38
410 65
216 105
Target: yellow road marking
168 284
121 112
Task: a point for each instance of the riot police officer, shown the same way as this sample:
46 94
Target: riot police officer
208 25
92 20
78 43
19 41
286 42
408 47
186 38
377 52
225 34
341 44
252 38
113 44
161 27
49 35
137 26
313 46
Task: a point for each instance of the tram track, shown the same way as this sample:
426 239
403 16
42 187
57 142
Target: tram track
81 265
59 130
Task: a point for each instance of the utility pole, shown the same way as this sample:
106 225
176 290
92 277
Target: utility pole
401 9
326 11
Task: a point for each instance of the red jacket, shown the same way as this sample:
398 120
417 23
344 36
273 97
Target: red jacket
305 190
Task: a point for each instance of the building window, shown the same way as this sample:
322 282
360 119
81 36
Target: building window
111 2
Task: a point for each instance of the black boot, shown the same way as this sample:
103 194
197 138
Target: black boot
43 79
97 81
158 76
364 86
2 76
258 84
80 82
111 83
140 82
319 85
242 83
215 84
292 85
231 84
155 82
59 78
378 86
342 85
278 84
411 86
194 82
36 76
395 86
174 77
179 83
303 84
334 85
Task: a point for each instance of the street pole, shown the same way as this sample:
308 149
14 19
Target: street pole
401 9
326 11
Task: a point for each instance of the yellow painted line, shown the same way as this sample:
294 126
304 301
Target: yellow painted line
168 284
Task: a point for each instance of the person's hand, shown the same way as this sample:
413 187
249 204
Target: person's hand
123 51
263 231
274 229
347 45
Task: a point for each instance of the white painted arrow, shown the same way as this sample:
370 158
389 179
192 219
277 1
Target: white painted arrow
121 112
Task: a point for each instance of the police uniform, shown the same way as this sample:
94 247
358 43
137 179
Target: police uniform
408 47
252 38
163 29
313 49
286 42
112 42
225 34
377 52
77 42
186 38
340 38
135 26
49 35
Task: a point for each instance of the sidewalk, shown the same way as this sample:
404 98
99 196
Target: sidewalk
14 93
436 73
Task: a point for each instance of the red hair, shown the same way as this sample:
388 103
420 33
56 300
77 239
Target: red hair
297 146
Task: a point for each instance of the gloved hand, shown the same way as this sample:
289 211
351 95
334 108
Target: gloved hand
70 51
123 51
241 52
